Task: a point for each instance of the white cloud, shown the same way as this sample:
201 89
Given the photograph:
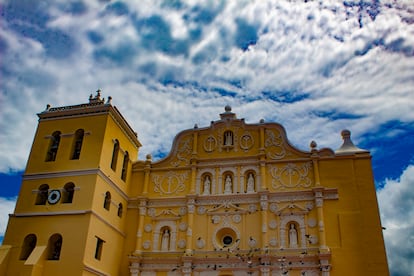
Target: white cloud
304 58
6 208
396 202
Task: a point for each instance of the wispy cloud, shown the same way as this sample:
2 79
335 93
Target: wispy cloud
317 67
6 208
396 201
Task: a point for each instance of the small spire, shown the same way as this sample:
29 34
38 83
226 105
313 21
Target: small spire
348 146
97 99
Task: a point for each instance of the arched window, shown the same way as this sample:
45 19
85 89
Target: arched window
228 138
54 247
115 155
125 166
29 244
53 146
107 202
42 194
120 210
68 191
77 144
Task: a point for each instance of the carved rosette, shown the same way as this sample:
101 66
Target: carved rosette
274 145
291 176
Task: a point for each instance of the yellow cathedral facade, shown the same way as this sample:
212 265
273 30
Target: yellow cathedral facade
230 199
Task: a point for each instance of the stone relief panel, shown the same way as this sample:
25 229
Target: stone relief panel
183 152
274 144
169 183
210 144
246 141
291 176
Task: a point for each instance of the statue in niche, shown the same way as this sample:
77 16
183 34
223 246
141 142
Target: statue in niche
206 185
228 185
293 236
165 241
250 183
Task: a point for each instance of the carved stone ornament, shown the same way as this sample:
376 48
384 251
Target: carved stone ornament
252 208
309 205
210 144
151 212
215 219
273 242
183 211
274 145
146 244
183 226
181 244
201 210
148 228
200 243
183 154
312 222
272 224
313 239
236 218
252 242
169 183
246 141
291 176
273 207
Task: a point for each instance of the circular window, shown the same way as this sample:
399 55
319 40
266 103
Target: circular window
226 237
227 240
54 196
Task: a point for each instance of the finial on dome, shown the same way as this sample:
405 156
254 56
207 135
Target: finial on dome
313 145
348 146
195 126
227 115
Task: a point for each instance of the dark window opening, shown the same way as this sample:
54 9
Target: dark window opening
53 146
77 144
68 192
29 244
115 155
99 247
125 166
107 201
120 210
42 194
54 247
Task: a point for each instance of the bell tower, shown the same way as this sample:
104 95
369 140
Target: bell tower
70 214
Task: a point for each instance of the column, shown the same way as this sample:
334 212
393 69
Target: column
147 171
263 211
142 213
190 221
321 224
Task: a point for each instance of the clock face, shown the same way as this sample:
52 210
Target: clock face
54 197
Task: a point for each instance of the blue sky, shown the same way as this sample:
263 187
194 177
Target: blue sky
316 67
